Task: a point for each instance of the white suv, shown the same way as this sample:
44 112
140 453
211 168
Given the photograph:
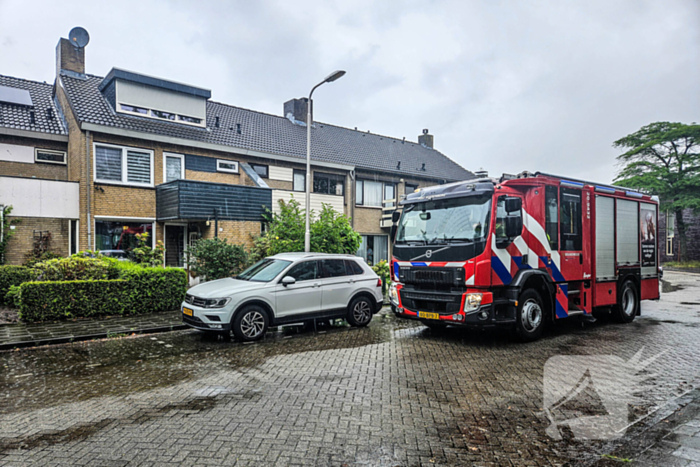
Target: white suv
283 289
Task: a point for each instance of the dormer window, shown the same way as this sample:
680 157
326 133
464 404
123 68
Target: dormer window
145 96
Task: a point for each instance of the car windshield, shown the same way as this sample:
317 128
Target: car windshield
264 270
443 221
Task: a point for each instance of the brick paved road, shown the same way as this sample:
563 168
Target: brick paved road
391 394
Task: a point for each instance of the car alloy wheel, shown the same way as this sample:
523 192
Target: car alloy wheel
362 312
252 324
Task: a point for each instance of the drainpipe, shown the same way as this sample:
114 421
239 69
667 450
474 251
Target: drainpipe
87 170
216 223
353 197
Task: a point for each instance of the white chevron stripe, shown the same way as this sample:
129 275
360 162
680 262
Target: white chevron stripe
470 281
502 254
537 231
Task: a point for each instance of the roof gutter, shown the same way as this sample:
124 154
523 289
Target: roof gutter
202 145
33 134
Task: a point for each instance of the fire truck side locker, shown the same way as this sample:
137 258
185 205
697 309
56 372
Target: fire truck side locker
605 292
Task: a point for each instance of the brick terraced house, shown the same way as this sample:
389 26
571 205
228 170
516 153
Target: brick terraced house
144 154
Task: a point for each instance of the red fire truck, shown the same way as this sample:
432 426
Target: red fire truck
523 250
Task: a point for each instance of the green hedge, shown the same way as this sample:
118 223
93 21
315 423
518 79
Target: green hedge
138 291
48 301
13 275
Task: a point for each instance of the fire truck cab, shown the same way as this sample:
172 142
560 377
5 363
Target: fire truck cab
523 250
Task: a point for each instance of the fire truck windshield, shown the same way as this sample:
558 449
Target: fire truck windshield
464 219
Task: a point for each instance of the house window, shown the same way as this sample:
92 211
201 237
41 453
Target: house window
374 248
299 180
125 166
50 157
260 169
389 193
329 184
174 167
372 194
73 237
119 237
226 166
410 189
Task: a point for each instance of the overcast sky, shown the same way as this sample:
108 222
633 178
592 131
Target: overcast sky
504 86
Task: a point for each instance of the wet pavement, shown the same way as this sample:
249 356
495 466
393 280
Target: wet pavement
394 393
35 334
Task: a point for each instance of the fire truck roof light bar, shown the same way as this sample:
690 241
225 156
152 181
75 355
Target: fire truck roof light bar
633 194
537 174
605 189
570 183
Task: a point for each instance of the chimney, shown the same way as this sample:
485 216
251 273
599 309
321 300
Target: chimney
426 139
69 57
296 109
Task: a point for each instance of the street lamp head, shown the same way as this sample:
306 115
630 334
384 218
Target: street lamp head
334 76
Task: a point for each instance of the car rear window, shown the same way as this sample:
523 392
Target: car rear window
353 268
333 268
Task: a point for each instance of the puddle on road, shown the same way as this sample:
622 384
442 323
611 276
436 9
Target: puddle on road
667 287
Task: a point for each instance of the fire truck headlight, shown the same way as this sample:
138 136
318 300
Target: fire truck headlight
473 301
393 294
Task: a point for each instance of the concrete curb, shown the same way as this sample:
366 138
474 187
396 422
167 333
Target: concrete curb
102 335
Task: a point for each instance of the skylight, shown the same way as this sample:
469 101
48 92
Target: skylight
15 96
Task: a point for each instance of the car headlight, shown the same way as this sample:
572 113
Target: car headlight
216 302
473 301
393 294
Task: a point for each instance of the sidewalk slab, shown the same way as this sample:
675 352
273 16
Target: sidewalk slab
29 335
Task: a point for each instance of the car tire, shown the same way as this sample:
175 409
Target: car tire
627 303
250 324
530 316
360 311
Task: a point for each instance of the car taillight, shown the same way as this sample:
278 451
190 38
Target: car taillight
379 282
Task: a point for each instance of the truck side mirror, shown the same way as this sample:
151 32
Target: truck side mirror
514 226
513 205
395 216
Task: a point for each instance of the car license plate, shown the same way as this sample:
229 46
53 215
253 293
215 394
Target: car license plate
186 311
423 314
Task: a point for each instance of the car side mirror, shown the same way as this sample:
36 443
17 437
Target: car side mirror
395 216
288 280
514 226
513 204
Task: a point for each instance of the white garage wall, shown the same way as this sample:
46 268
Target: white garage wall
40 198
317 200
16 153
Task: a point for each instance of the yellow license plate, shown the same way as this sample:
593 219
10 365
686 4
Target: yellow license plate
423 314
186 311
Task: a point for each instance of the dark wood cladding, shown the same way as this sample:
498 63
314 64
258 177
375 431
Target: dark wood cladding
195 200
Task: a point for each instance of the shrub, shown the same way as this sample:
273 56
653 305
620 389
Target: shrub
75 269
215 258
145 255
47 301
155 289
32 259
8 233
138 290
13 275
383 270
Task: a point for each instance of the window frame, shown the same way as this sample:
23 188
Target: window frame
318 270
50 151
323 269
150 113
328 176
142 220
267 169
165 165
384 184
124 179
577 220
224 170
303 174
405 188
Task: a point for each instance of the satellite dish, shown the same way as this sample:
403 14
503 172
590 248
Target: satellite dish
79 37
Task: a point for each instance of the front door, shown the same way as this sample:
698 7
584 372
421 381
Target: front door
175 245
571 233
304 296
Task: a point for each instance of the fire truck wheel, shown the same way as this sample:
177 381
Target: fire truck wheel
530 317
627 303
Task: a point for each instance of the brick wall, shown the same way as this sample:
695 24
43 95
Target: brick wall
38 170
22 242
237 232
692 222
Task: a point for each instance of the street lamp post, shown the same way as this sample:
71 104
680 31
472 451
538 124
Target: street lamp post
307 233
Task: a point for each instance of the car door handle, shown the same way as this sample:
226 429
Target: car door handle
316 284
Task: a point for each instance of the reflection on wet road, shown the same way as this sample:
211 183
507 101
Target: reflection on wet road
394 393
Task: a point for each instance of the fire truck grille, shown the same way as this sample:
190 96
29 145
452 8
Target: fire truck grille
433 276
437 303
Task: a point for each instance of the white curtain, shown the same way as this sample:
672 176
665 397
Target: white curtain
373 194
173 168
381 249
